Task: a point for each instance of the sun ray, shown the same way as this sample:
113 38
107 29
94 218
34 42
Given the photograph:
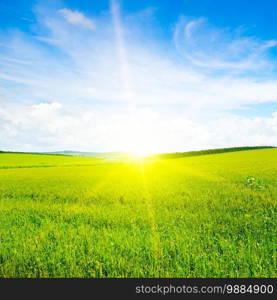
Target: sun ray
124 66
150 210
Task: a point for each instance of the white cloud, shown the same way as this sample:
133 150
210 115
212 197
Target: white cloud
77 18
57 127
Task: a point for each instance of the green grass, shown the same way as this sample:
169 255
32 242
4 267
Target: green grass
203 216
209 151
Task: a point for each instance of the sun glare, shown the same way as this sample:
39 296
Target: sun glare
140 153
140 141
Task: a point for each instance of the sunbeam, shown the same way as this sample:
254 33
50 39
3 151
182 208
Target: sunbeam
154 238
124 67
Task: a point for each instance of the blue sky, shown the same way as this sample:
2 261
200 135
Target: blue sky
143 76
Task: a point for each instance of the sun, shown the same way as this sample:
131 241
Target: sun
140 153
140 146
141 134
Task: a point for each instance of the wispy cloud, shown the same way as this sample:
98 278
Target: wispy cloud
213 48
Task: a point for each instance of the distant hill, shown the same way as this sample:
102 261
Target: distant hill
103 155
208 151
128 155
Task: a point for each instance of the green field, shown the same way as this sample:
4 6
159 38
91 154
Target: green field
202 216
